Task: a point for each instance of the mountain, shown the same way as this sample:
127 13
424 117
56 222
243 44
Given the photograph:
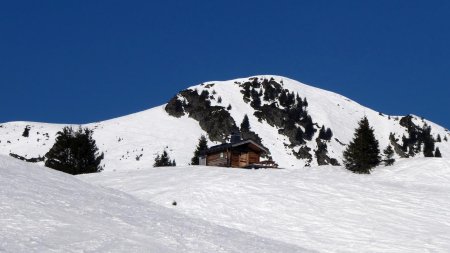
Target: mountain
285 116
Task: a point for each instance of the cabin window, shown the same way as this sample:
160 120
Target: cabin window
221 155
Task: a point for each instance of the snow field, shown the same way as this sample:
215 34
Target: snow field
42 210
403 208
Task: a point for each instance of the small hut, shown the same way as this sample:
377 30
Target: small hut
237 154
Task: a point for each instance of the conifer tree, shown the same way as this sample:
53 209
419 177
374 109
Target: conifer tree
26 131
299 100
363 153
428 142
202 145
163 160
437 153
438 139
245 125
305 103
389 156
74 152
325 134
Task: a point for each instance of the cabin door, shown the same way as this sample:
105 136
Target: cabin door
243 160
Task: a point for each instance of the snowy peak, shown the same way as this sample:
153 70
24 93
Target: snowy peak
294 119
300 125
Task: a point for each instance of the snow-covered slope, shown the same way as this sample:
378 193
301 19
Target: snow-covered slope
42 210
133 141
402 208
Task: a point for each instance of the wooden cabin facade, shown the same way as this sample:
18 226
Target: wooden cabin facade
238 154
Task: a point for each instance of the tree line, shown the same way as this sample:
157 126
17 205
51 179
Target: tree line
76 152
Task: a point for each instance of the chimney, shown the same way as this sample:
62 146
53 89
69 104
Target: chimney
235 137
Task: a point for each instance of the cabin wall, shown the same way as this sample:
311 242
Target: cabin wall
253 157
215 159
244 159
235 159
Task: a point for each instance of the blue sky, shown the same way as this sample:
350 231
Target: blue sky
84 61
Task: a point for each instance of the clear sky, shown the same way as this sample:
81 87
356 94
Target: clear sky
84 61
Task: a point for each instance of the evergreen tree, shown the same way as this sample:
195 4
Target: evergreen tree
325 134
245 125
74 152
437 153
299 100
202 145
438 139
363 153
388 155
163 160
229 107
428 142
299 136
309 127
256 100
305 103
283 99
204 95
26 131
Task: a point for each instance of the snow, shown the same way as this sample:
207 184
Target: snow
42 210
401 208
128 207
147 133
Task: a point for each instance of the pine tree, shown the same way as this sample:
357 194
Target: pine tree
245 125
299 100
428 142
26 131
74 152
388 155
163 160
305 103
309 127
256 100
202 145
438 139
437 153
325 134
363 153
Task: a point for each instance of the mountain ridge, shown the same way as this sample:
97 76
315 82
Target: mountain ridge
293 141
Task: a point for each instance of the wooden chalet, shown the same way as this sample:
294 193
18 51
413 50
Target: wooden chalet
237 154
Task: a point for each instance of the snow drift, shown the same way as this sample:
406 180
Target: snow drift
402 208
43 210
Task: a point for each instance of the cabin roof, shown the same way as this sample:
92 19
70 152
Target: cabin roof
225 146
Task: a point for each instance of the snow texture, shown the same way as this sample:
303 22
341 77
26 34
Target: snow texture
402 208
42 210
